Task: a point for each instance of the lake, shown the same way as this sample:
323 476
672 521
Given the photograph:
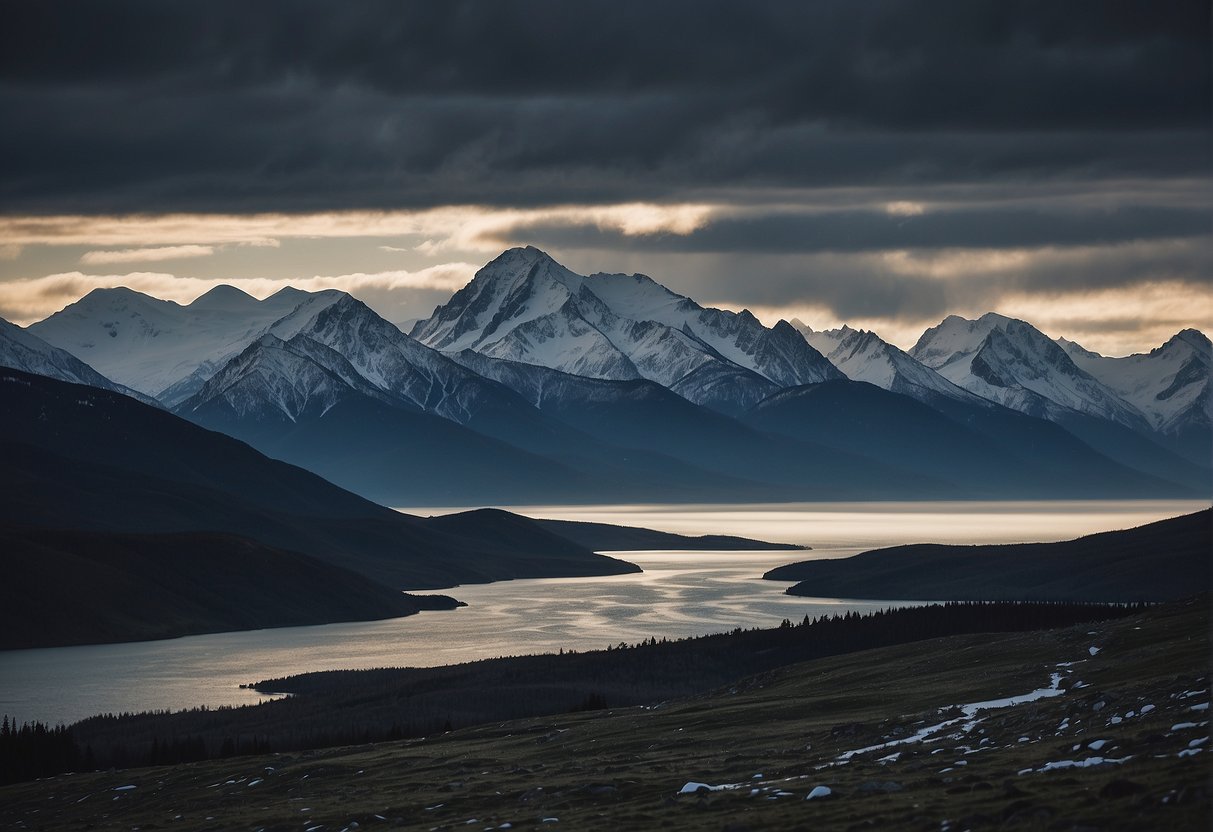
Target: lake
679 594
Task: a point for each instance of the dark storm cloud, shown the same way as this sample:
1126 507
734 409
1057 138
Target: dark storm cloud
857 286
859 231
851 287
149 106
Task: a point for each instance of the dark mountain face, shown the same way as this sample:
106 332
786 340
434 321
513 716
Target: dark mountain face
643 414
984 451
306 403
81 458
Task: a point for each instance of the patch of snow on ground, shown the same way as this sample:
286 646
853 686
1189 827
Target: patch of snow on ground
692 787
970 711
1087 763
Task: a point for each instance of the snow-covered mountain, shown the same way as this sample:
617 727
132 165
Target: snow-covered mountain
332 347
161 348
534 383
381 355
275 380
864 356
22 350
1170 384
351 397
1013 363
824 341
526 307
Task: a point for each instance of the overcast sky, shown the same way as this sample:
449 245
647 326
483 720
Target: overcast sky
876 163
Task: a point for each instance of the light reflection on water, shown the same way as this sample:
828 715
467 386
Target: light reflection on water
679 594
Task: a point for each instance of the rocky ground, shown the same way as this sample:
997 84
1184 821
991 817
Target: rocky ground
1099 726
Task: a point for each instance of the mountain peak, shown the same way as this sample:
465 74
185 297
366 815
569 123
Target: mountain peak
1011 362
1193 338
526 307
289 293
514 259
111 295
223 298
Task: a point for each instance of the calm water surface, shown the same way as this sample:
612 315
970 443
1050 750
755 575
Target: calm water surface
679 594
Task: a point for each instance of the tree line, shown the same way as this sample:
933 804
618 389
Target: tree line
339 708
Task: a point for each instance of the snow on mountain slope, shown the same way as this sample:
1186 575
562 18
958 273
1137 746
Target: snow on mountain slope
333 349
275 380
824 341
1013 363
1170 384
22 350
725 388
526 307
396 364
162 348
865 356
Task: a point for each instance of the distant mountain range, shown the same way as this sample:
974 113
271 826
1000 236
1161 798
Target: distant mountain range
534 384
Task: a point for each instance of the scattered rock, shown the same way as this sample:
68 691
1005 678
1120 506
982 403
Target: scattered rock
879 787
1027 813
1011 790
1120 788
848 729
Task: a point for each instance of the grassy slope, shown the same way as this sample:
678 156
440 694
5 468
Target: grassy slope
623 769
1156 562
334 708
